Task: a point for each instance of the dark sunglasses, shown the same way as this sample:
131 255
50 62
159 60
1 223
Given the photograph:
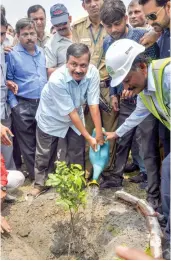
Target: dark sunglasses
3 33
153 16
62 24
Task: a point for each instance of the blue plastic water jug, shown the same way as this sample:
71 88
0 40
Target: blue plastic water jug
99 159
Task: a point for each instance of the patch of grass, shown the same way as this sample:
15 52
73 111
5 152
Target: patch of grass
148 251
115 231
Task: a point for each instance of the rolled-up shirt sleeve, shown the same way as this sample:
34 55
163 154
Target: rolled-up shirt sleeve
93 91
138 115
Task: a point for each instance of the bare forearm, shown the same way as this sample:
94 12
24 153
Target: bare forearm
95 114
79 124
50 71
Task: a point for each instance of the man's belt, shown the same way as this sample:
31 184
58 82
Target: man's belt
105 83
27 99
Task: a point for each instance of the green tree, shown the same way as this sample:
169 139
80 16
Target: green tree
69 183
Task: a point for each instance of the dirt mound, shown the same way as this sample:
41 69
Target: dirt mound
42 231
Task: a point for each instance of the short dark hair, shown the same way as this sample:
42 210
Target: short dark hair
3 21
112 11
3 11
77 50
141 58
132 3
34 9
24 22
158 2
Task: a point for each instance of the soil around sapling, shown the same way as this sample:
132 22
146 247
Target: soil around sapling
42 230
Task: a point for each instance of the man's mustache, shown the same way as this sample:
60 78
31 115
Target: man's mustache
79 73
30 41
62 29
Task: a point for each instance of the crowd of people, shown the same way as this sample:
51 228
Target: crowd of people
110 69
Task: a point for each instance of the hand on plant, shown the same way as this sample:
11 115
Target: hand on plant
110 135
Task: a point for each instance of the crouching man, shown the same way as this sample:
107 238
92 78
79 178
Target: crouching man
125 62
60 113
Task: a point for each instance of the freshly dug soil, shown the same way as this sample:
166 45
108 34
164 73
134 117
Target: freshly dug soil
41 229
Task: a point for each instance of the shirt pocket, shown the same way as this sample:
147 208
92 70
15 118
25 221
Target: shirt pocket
86 41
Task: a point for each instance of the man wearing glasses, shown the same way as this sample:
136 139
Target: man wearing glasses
158 14
26 67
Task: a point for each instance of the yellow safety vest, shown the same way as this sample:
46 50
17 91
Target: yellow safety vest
157 70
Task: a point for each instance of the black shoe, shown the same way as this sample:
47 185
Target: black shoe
141 177
155 203
143 185
131 168
166 248
111 183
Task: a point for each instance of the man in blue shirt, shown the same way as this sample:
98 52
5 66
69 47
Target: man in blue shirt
5 112
26 67
60 113
113 16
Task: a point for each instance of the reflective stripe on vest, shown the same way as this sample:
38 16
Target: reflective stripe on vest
157 70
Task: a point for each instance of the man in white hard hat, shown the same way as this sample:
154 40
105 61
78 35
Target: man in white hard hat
126 63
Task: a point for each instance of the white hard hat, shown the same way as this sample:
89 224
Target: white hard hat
119 59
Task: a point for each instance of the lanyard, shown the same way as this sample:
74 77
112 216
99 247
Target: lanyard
98 35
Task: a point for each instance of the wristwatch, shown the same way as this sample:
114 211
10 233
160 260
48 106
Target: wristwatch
3 188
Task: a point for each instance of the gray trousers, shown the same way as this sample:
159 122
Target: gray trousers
23 116
46 149
7 151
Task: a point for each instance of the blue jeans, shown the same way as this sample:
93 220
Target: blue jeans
165 193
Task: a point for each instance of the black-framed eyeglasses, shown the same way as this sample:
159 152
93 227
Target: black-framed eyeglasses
3 33
153 16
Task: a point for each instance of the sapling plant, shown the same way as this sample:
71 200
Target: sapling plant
69 183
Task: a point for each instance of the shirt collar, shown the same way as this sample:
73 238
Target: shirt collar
58 37
20 48
88 23
126 35
45 36
150 83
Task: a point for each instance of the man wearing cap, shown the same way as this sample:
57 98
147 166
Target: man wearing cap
90 31
55 49
126 63
114 18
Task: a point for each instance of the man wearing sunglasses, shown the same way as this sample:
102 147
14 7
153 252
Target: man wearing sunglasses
158 14
55 49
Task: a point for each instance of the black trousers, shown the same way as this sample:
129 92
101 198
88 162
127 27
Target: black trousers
23 116
46 149
124 144
150 147
164 135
